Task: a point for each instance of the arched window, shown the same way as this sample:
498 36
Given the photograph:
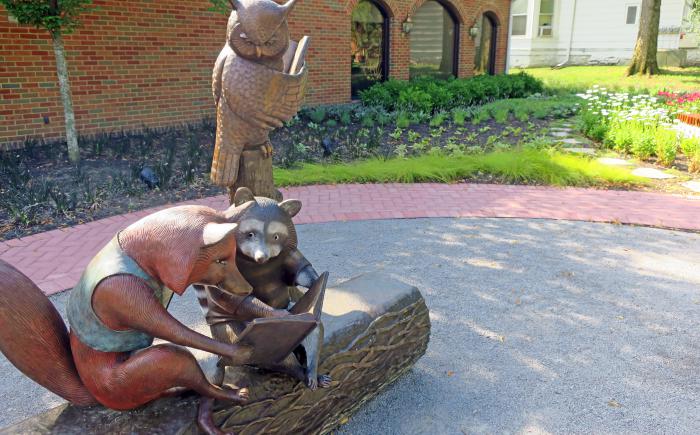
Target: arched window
369 45
485 45
434 41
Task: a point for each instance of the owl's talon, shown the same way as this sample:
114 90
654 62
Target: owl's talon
266 150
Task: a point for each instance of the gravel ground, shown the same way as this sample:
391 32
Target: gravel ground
537 326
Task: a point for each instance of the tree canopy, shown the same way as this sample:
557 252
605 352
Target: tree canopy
52 15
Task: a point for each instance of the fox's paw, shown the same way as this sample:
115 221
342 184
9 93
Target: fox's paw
237 395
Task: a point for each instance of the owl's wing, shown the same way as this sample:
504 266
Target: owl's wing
253 89
217 79
231 138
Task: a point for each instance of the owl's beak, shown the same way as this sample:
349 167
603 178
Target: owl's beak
258 50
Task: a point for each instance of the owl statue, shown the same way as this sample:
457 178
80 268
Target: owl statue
258 83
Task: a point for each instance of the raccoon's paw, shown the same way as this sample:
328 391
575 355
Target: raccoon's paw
313 381
324 381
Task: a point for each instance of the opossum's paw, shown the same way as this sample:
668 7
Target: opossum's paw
324 381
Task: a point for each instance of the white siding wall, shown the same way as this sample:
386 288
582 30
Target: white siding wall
600 32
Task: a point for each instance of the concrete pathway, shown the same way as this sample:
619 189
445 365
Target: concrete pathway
55 259
538 326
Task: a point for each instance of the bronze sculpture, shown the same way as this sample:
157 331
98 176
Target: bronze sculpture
270 261
119 306
258 83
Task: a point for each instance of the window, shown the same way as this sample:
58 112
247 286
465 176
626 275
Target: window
485 45
434 40
518 25
632 14
368 46
545 18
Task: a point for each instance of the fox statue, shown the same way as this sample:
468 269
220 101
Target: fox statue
119 306
268 258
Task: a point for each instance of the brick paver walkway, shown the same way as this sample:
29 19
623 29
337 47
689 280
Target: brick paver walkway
55 259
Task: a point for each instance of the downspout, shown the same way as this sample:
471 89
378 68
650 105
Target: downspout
571 40
508 38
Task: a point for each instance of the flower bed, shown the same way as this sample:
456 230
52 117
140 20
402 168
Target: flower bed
640 125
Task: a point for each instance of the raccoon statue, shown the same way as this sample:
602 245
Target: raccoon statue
269 260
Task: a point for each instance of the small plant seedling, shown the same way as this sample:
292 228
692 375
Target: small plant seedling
396 134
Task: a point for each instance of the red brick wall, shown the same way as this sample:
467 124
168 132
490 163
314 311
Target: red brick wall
148 62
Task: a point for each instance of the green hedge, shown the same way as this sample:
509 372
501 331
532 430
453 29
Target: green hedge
431 95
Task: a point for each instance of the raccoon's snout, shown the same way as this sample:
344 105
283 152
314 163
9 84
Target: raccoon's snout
260 257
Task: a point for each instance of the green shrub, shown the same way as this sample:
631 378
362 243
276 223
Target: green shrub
694 161
643 144
500 114
428 94
481 115
691 148
367 120
317 114
666 146
459 115
345 117
403 120
690 145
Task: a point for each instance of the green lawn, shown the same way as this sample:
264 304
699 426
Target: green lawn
525 166
580 78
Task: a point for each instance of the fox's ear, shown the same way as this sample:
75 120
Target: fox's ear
235 212
243 194
216 233
291 206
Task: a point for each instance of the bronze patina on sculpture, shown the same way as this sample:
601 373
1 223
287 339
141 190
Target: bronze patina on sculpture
258 83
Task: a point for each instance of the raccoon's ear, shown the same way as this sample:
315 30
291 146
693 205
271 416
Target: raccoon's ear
234 213
243 194
291 206
216 233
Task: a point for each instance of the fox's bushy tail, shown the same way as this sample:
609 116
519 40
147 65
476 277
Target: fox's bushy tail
34 338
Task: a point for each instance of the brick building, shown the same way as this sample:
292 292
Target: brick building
149 62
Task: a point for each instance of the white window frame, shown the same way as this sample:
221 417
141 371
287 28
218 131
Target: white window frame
636 16
540 28
527 23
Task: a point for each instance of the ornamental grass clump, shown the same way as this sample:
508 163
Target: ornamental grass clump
666 146
691 148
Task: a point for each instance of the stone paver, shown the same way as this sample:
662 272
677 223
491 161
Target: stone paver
652 173
55 259
615 162
572 141
589 151
692 185
561 133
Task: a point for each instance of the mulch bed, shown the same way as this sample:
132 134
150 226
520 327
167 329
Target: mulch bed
41 190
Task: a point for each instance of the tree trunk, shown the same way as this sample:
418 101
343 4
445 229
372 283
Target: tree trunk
255 173
644 57
66 98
